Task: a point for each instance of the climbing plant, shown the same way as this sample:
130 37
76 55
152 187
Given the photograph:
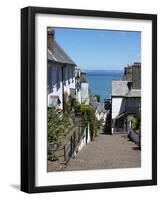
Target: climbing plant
87 114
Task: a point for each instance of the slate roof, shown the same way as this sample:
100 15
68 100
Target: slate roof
97 106
134 93
119 88
59 55
100 108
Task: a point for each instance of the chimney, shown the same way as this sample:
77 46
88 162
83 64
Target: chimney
136 75
50 39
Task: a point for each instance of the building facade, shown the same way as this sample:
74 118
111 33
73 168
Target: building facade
61 72
126 98
82 87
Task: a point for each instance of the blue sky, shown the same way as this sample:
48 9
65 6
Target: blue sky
99 49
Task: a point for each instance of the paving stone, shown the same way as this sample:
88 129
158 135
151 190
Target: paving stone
107 152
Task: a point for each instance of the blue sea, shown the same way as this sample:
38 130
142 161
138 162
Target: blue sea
100 81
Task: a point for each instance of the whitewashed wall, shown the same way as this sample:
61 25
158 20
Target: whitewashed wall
78 96
69 79
117 105
84 141
55 82
85 93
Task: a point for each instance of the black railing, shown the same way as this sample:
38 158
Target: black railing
62 153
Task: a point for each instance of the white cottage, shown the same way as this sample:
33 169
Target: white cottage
61 72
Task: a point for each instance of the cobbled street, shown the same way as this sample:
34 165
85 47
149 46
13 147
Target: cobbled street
107 152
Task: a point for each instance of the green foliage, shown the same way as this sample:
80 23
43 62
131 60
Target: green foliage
73 102
57 124
87 114
136 122
98 97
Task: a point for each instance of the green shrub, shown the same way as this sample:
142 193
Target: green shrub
57 124
136 122
87 114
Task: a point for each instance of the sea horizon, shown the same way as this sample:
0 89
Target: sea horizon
100 81
105 70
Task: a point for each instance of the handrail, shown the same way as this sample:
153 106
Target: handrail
69 146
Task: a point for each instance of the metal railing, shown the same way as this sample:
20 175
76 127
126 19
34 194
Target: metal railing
63 152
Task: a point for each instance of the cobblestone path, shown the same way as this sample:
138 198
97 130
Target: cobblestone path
107 152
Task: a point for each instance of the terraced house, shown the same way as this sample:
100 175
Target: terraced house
61 72
126 98
64 77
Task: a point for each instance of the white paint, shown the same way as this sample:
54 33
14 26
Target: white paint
55 90
69 79
55 76
121 105
101 116
89 135
104 116
85 93
82 142
117 103
78 96
97 115
86 138
43 178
